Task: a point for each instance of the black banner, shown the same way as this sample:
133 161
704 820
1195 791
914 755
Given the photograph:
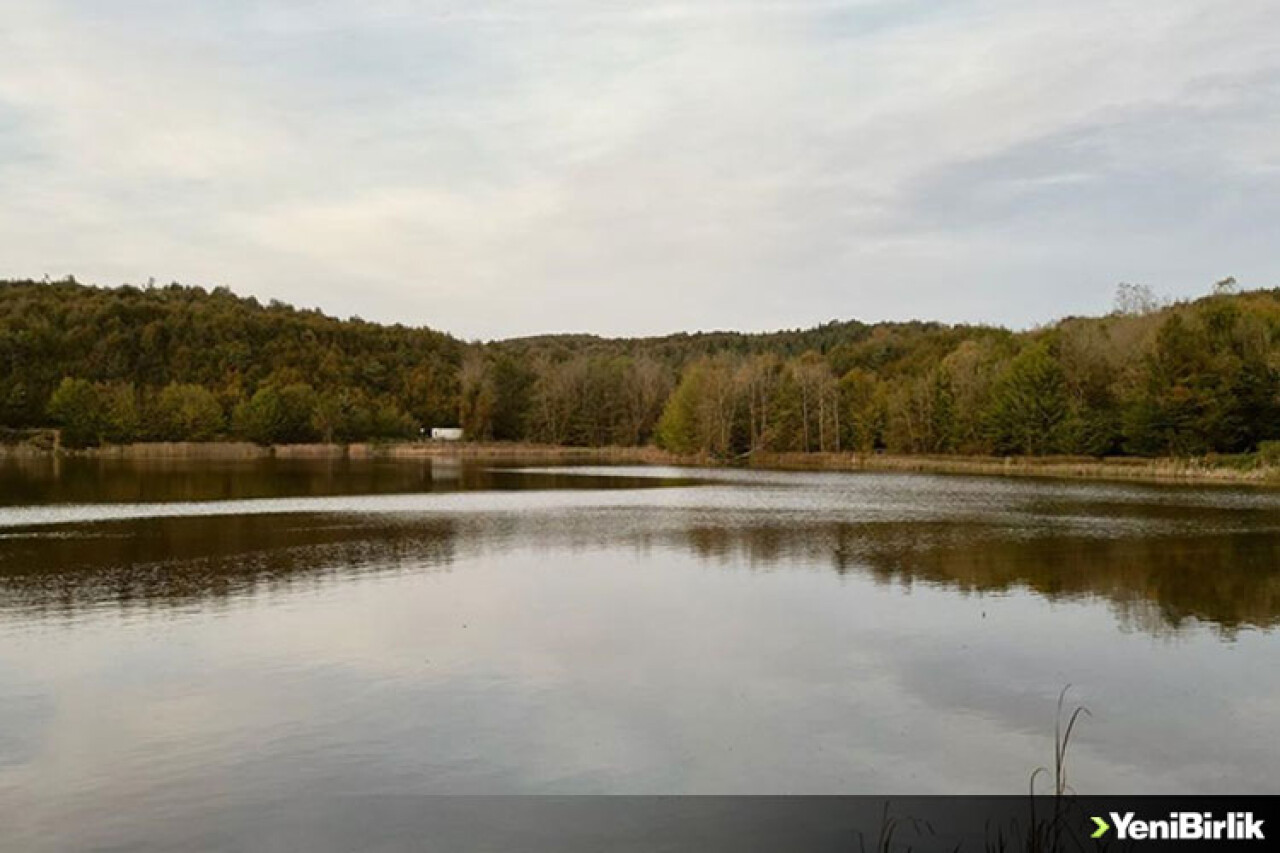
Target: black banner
710 824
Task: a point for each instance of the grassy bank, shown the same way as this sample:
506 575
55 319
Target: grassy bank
1227 470
1222 469
243 450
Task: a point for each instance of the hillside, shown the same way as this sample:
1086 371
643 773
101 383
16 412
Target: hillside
123 364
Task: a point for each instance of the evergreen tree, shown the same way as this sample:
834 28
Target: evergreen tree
1029 406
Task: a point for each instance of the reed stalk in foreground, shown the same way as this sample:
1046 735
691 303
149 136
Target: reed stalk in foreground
1044 833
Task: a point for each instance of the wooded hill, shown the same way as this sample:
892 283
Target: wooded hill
183 363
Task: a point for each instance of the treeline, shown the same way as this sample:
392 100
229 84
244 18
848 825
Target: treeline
181 363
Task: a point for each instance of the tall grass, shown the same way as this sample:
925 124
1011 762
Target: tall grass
1046 831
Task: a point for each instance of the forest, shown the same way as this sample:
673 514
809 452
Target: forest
177 363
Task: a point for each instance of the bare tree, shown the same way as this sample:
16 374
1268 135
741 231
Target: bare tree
1135 299
647 389
1225 286
757 378
556 392
819 412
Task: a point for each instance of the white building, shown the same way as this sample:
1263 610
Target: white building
446 434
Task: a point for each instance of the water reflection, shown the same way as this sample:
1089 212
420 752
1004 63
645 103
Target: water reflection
1230 580
26 481
177 562
171 680
1159 583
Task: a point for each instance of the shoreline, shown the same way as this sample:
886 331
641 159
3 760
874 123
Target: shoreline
1118 469
1127 469
233 451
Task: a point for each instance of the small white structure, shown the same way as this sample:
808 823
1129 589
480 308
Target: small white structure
446 434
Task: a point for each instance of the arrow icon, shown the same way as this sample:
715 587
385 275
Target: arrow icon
1103 826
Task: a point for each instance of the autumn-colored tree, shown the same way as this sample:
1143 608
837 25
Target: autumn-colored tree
129 363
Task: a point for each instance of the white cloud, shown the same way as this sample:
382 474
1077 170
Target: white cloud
514 167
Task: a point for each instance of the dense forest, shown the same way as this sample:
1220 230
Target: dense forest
182 363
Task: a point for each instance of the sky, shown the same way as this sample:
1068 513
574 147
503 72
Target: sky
496 168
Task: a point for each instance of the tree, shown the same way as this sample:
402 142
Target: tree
169 362
1225 286
863 402
1207 384
701 414
553 402
122 421
1135 299
680 428
512 382
1094 371
646 390
819 413
921 415
16 404
1029 404
77 407
969 373
758 379
390 421
188 412
477 397
278 415
341 416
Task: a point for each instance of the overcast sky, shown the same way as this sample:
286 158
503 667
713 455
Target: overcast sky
505 167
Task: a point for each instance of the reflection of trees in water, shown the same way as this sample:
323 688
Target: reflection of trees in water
176 561
1156 583
45 480
26 481
1230 580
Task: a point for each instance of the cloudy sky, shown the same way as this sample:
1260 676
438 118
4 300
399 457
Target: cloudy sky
504 167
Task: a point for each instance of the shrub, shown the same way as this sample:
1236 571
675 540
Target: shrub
1269 452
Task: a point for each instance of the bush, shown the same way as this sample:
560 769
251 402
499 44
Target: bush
1269 452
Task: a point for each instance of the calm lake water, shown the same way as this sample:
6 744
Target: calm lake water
187 649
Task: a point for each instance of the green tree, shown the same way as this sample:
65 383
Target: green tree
1176 411
512 384
1150 378
188 412
342 416
477 397
278 415
862 399
388 420
16 404
680 429
122 422
702 414
1029 404
76 406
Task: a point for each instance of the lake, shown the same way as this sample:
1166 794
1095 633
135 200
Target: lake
188 648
